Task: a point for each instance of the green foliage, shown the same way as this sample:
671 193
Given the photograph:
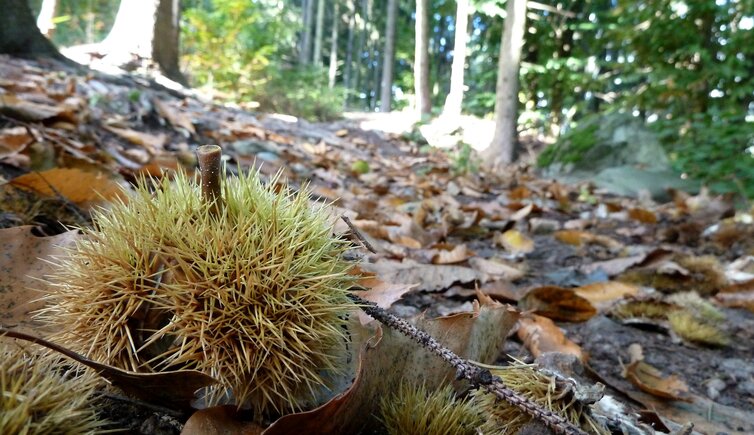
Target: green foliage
463 161
716 148
243 49
573 145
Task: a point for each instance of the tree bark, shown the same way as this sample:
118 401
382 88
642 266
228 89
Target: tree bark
305 54
19 35
348 71
501 150
166 41
421 59
132 32
333 71
45 17
319 32
386 84
452 109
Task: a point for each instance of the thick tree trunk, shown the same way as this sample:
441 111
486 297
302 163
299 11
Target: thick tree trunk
501 150
305 54
319 32
19 35
452 109
45 17
421 59
333 71
124 40
386 84
166 42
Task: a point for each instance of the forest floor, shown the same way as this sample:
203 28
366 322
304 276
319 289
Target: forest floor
654 300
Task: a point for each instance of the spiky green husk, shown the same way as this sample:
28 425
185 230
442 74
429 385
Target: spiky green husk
414 410
40 394
506 419
255 297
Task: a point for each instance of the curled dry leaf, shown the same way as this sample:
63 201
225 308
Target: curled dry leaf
13 140
175 117
540 335
496 269
24 110
388 358
427 277
152 143
579 238
448 254
84 188
558 303
649 379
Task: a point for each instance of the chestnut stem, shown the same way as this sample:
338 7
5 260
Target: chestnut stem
209 157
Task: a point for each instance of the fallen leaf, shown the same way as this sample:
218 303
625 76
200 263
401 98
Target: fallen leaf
84 188
649 379
24 110
381 293
515 242
601 294
579 238
427 277
175 117
152 143
495 268
456 254
540 335
642 215
557 303
13 141
26 261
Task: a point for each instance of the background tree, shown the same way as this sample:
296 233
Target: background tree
501 150
19 35
45 17
452 108
333 68
386 86
421 59
319 32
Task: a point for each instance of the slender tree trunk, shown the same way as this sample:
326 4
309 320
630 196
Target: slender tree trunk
358 63
166 42
386 85
319 32
305 54
45 17
452 109
348 72
421 59
19 35
501 150
333 71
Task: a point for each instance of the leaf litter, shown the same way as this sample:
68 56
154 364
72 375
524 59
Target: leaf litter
438 236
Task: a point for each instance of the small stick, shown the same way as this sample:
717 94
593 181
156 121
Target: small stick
358 235
209 157
465 370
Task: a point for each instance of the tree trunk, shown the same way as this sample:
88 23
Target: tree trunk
421 59
501 150
319 32
386 84
305 54
348 72
19 35
45 17
333 72
124 41
452 109
166 42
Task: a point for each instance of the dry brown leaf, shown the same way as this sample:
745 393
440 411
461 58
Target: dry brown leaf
27 111
514 242
541 335
642 215
24 263
384 294
152 143
496 269
13 141
342 132
428 277
448 254
739 295
388 358
557 303
84 188
601 294
522 212
579 238
175 117
649 379
220 420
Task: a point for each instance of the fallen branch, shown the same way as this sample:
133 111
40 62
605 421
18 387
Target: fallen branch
478 376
